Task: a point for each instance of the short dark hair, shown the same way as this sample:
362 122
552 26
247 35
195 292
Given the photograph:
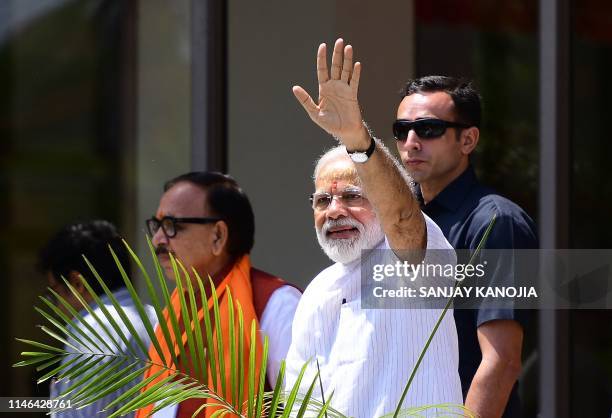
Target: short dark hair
226 200
465 97
65 250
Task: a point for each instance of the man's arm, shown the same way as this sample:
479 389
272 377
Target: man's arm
384 183
500 331
500 342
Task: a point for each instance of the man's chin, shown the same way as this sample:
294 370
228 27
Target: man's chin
417 175
342 258
169 273
338 254
166 265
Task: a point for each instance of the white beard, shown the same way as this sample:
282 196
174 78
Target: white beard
347 250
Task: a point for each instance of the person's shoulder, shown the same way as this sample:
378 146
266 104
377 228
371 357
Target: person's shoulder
500 203
258 274
327 273
325 279
271 282
492 203
280 306
287 293
513 227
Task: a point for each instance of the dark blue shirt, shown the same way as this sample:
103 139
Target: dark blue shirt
463 211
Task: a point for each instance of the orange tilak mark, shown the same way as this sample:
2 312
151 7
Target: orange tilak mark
334 186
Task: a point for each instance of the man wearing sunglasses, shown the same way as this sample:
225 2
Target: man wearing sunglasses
437 129
363 201
205 221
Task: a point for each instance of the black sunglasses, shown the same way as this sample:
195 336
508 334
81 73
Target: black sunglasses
429 128
168 224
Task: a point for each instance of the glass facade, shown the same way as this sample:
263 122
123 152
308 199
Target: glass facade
62 146
495 45
94 116
590 197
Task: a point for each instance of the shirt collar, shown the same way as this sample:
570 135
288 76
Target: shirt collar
453 195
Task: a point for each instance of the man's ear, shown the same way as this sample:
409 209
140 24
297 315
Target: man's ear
220 236
74 278
469 139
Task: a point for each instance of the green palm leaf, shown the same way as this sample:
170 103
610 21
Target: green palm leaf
92 358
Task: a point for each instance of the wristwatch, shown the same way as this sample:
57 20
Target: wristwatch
363 156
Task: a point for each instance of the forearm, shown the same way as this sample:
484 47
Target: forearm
491 387
386 186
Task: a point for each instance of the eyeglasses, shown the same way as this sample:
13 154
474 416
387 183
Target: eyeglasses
168 224
429 128
349 197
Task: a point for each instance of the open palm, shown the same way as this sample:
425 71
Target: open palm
338 109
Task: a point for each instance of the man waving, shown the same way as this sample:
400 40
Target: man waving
363 201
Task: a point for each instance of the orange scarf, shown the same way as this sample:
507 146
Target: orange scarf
238 281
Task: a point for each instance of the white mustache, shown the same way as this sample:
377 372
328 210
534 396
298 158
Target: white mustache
333 223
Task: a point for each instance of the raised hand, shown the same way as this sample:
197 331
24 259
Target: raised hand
338 110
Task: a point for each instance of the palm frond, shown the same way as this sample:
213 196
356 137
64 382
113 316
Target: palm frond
103 354
200 352
155 301
439 411
94 363
259 399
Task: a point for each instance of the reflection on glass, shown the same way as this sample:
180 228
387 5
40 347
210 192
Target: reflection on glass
60 146
591 197
496 45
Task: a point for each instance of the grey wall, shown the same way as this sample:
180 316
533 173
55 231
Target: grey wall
272 143
163 91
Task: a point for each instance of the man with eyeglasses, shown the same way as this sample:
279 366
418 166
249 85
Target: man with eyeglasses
205 221
362 201
437 129
62 257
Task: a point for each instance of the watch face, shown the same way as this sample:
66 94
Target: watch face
359 157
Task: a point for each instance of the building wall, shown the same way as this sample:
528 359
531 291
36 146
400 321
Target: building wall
272 143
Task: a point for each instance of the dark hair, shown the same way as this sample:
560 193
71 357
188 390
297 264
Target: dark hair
226 200
465 97
65 250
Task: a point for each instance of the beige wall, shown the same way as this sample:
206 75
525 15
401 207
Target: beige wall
272 143
163 135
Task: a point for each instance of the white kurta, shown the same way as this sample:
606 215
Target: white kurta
366 355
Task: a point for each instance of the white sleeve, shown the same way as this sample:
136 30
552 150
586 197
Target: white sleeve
439 250
276 323
435 237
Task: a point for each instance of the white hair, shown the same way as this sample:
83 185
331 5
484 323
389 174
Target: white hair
336 153
339 153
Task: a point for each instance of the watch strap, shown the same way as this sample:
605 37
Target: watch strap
367 152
